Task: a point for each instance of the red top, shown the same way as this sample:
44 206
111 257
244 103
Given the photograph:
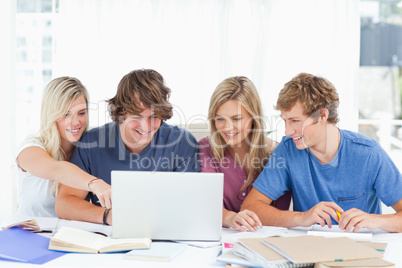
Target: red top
234 178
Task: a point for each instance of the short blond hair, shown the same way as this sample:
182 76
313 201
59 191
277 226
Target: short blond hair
312 92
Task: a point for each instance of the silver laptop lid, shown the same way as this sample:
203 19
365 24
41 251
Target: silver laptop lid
167 205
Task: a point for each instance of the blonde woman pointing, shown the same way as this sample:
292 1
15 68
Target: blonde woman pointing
42 161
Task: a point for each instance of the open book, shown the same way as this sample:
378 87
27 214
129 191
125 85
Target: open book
76 240
35 224
51 225
28 224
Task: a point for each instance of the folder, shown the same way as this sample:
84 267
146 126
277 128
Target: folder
20 245
253 250
256 246
312 249
366 263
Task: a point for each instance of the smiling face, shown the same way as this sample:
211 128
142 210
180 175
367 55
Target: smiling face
138 130
305 131
72 125
233 122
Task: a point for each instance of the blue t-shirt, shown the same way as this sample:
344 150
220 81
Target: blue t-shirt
102 150
358 177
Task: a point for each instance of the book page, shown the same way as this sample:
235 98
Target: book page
87 226
124 244
233 235
355 236
120 241
29 223
79 237
335 228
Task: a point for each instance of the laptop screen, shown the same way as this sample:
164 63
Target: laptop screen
167 205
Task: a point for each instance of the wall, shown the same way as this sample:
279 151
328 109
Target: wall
198 44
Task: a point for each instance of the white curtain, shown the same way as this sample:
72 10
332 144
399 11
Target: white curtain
8 179
195 44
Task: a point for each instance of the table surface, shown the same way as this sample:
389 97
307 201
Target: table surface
200 257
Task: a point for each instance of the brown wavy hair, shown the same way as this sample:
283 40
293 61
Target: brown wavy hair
313 93
138 89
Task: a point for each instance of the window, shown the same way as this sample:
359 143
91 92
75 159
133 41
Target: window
34 57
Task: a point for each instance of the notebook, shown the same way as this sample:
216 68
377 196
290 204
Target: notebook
253 250
232 259
260 250
366 263
167 205
312 249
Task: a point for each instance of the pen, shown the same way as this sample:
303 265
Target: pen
338 213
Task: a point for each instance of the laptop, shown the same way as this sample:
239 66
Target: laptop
167 205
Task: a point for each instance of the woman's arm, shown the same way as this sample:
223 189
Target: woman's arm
39 163
245 220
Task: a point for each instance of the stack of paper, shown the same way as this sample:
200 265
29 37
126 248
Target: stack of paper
313 249
230 257
356 264
300 251
259 250
253 250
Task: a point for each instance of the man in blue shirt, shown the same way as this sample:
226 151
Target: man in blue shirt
335 176
137 139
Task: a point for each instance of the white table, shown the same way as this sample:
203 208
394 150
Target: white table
195 256
192 257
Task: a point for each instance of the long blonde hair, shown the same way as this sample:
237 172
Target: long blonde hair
242 90
57 99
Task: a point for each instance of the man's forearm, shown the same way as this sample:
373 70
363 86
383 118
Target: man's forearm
75 208
390 222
